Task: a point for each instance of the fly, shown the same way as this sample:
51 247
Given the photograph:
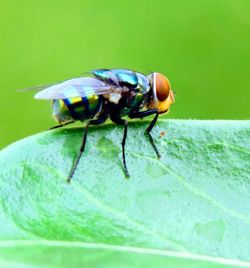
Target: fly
109 93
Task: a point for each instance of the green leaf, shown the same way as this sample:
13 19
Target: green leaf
191 208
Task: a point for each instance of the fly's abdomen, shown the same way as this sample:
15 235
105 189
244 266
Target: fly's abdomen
60 111
79 108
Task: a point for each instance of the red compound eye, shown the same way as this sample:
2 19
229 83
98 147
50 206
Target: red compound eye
162 86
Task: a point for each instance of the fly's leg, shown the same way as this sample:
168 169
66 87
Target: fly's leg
84 139
150 127
62 125
123 148
120 121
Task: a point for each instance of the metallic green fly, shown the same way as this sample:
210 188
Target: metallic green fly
109 93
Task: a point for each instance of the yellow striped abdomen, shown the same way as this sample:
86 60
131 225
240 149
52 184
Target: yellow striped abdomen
78 108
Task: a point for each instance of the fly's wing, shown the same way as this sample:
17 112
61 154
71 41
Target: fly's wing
37 88
78 87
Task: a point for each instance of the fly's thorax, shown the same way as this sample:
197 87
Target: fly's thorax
135 101
161 94
123 78
113 97
133 87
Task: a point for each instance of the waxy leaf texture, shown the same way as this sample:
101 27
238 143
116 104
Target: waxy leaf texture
191 208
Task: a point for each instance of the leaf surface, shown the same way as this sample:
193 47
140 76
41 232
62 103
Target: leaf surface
191 208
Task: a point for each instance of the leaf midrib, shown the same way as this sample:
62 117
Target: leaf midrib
120 248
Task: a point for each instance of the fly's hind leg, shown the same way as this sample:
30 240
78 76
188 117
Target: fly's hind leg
84 139
150 127
62 125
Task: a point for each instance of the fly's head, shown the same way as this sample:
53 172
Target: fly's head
162 95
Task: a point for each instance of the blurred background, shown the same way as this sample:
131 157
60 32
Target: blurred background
203 46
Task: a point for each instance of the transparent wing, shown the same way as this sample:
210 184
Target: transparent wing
78 87
38 87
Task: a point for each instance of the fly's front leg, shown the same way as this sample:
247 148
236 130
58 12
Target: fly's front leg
150 127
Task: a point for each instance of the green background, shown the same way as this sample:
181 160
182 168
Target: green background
203 46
